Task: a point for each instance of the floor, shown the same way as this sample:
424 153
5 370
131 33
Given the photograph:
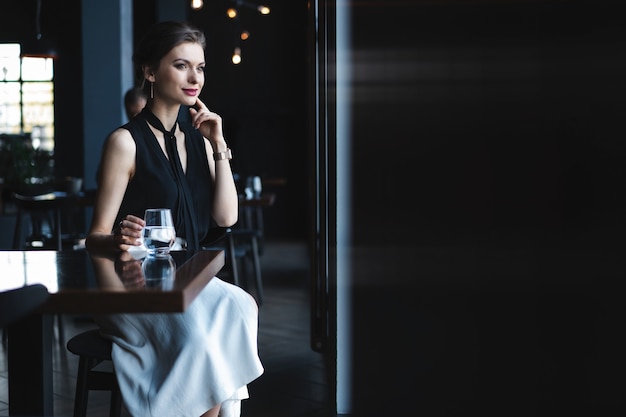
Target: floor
294 383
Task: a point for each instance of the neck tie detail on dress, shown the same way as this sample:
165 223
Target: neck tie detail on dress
184 212
170 144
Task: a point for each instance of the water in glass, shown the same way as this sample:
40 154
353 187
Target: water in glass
159 233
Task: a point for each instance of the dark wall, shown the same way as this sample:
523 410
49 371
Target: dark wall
488 207
500 121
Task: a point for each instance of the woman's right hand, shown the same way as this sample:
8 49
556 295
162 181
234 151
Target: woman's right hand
128 232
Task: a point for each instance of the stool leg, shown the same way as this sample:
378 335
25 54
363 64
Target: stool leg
115 409
17 233
233 259
257 270
57 229
82 393
61 330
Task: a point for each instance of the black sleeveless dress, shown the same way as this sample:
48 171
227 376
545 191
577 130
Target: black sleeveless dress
154 184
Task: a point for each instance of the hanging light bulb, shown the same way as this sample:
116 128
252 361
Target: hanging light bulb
237 56
233 12
197 4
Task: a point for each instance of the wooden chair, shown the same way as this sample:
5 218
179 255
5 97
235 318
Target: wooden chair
248 234
18 303
240 246
245 249
41 208
46 208
95 371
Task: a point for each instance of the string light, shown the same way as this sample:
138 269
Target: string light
237 56
231 12
262 9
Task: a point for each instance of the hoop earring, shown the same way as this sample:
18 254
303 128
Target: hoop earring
151 90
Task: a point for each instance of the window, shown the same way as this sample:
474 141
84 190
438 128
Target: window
27 96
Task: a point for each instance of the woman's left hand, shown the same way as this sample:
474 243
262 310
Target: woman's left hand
208 122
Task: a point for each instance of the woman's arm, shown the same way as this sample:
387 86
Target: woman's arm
117 167
225 210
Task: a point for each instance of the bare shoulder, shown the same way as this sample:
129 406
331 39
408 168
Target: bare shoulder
120 140
119 153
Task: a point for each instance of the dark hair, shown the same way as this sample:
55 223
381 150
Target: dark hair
159 40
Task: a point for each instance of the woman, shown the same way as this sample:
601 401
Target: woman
197 363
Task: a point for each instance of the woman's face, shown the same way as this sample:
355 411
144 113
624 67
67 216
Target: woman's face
180 76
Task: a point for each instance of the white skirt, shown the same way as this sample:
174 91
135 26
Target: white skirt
184 364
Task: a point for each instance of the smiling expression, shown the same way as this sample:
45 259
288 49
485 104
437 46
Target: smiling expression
180 76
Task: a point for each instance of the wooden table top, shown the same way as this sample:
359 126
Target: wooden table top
81 282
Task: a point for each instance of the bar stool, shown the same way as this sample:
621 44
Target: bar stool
239 246
93 350
244 245
21 301
42 206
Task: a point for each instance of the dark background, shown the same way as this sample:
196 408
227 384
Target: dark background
487 249
480 121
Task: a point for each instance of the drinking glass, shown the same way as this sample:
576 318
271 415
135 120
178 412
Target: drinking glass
253 187
159 233
257 187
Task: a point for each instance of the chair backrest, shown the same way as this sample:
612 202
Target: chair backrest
19 302
51 203
217 237
46 201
